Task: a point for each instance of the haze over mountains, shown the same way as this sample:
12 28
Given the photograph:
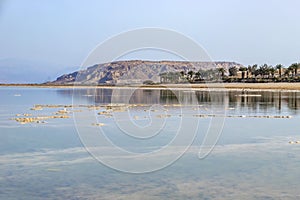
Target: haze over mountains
28 71
122 72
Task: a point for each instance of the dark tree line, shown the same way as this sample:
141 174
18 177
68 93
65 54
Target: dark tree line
192 76
263 73
252 73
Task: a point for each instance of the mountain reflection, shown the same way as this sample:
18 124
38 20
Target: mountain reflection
260 101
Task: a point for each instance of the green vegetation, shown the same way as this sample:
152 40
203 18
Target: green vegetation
251 74
192 76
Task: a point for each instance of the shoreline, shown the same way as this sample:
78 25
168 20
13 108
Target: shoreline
202 86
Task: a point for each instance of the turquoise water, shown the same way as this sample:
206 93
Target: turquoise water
251 160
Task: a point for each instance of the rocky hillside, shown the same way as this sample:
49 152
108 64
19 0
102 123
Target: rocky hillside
134 71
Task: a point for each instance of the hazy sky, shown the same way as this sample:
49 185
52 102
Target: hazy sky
62 33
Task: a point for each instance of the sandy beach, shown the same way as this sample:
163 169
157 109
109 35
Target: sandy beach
237 86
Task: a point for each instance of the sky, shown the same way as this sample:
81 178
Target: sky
44 38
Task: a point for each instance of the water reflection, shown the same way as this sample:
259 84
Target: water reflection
48 160
248 101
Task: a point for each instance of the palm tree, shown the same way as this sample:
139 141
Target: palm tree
243 70
252 69
190 75
272 70
232 71
279 67
221 71
249 70
287 72
294 67
182 73
198 75
264 70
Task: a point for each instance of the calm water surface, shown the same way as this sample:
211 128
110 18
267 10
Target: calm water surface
252 159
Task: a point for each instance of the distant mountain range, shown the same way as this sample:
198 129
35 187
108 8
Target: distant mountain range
134 71
14 70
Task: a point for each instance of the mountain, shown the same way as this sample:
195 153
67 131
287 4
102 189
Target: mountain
13 70
134 71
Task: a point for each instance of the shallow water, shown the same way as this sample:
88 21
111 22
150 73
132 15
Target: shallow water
251 160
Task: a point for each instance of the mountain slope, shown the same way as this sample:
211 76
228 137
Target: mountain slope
134 71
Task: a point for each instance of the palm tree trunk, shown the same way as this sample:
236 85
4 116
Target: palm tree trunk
280 72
